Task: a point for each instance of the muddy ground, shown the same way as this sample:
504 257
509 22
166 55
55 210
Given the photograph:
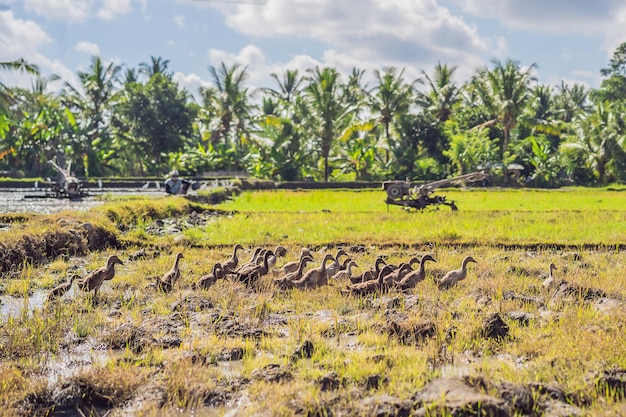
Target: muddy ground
145 339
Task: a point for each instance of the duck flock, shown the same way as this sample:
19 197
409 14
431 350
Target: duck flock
382 277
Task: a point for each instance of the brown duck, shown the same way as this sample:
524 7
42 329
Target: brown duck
335 266
411 279
346 273
549 282
231 264
208 280
251 262
288 280
280 251
166 283
370 274
61 289
368 287
254 274
456 275
291 267
315 277
94 280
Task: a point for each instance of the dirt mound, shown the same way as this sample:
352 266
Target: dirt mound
62 238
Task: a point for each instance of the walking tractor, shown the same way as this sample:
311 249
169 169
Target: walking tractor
403 193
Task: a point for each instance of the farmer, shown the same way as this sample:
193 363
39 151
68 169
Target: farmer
174 185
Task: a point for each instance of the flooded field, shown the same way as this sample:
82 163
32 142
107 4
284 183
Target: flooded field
35 201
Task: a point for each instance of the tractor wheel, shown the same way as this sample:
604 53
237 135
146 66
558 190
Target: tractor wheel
394 191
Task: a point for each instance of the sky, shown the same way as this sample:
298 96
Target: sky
568 40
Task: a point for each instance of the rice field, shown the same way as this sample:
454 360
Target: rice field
497 343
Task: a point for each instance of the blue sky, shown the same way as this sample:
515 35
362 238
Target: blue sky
569 40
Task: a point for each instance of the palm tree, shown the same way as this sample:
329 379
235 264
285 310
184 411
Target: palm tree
571 101
504 90
600 136
390 98
229 101
157 65
442 95
20 66
93 102
289 86
130 76
329 112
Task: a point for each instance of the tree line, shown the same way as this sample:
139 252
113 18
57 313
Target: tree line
318 124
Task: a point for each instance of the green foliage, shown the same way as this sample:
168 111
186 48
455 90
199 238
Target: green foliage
156 115
319 125
470 149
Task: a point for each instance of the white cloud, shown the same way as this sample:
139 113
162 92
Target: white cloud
81 10
383 30
190 82
88 48
64 10
554 16
112 8
26 39
179 20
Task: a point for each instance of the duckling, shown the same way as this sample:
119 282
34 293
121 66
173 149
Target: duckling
280 251
370 274
411 279
166 283
287 281
549 282
231 264
61 289
316 277
251 262
368 287
344 264
456 275
293 266
94 280
335 266
208 280
254 274
347 272
397 275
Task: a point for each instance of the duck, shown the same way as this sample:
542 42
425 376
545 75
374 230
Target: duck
208 280
315 277
60 290
549 282
397 275
371 273
166 283
255 273
370 286
335 266
411 279
293 266
251 262
94 280
413 260
287 281
456 275
231 264
347 272
280 251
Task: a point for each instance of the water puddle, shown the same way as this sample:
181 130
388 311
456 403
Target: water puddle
230 369
466 366
11 306
67 364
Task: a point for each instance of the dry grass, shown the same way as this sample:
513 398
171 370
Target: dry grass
172 350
